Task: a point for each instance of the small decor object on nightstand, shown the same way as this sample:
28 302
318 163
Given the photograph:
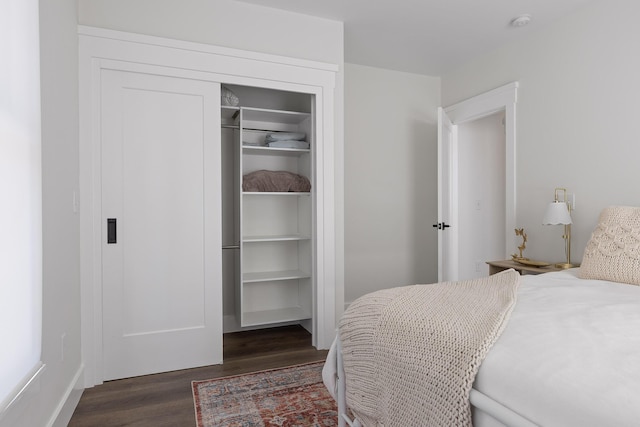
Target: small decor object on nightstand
522 260
521 248
532 263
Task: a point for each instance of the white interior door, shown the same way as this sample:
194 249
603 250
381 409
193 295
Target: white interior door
500 100
161 184
447 225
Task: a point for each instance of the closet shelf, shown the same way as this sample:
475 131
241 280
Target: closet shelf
228 114
270 276
271 129
270 193
274 151
288 237
255 318
274 116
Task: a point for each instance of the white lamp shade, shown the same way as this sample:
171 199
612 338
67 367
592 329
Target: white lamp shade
557 213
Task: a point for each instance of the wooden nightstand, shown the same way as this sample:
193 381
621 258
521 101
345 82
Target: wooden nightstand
498 266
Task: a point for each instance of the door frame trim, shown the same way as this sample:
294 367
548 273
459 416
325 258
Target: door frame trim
444 121
503 98
107 49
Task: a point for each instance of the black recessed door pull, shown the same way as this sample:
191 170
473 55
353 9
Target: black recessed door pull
112 230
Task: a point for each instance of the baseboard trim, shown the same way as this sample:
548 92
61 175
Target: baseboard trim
64 411
18 402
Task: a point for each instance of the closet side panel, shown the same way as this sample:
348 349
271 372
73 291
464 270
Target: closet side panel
230 232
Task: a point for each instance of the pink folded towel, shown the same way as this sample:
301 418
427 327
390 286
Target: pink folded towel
275 181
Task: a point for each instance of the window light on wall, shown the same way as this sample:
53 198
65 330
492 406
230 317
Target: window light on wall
20 199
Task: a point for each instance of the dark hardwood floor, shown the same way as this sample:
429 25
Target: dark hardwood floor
166 399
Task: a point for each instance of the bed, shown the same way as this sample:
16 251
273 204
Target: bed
565 351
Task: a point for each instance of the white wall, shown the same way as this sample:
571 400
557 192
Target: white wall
390 179
61 282
481 191
225 23
244 26
577 117
61 287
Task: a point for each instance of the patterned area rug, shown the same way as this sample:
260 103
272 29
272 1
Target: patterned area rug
287 397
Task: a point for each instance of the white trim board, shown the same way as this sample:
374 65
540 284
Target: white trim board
66 407
13 405
484 104
106 49
201 47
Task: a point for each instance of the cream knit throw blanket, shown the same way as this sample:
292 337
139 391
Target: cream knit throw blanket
411 353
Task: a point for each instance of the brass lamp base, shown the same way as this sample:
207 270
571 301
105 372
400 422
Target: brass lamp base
564 265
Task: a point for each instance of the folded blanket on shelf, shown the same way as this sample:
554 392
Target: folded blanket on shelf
284 136
288 144
275 181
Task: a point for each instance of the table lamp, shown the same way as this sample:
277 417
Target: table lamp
559 212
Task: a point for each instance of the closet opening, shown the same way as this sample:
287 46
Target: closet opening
268 208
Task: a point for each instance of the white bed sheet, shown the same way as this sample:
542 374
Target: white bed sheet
570 354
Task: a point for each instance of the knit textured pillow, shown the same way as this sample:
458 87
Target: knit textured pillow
613 252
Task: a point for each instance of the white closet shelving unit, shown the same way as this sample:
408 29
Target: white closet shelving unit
274 268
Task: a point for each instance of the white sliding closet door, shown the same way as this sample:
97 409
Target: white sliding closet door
161 185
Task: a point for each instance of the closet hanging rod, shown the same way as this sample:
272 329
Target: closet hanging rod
231 247
230 126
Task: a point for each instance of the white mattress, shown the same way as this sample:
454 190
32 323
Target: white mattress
570 355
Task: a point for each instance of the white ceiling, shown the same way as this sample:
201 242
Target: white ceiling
426 36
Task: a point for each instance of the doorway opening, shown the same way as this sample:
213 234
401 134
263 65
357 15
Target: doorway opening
481 194
476 183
